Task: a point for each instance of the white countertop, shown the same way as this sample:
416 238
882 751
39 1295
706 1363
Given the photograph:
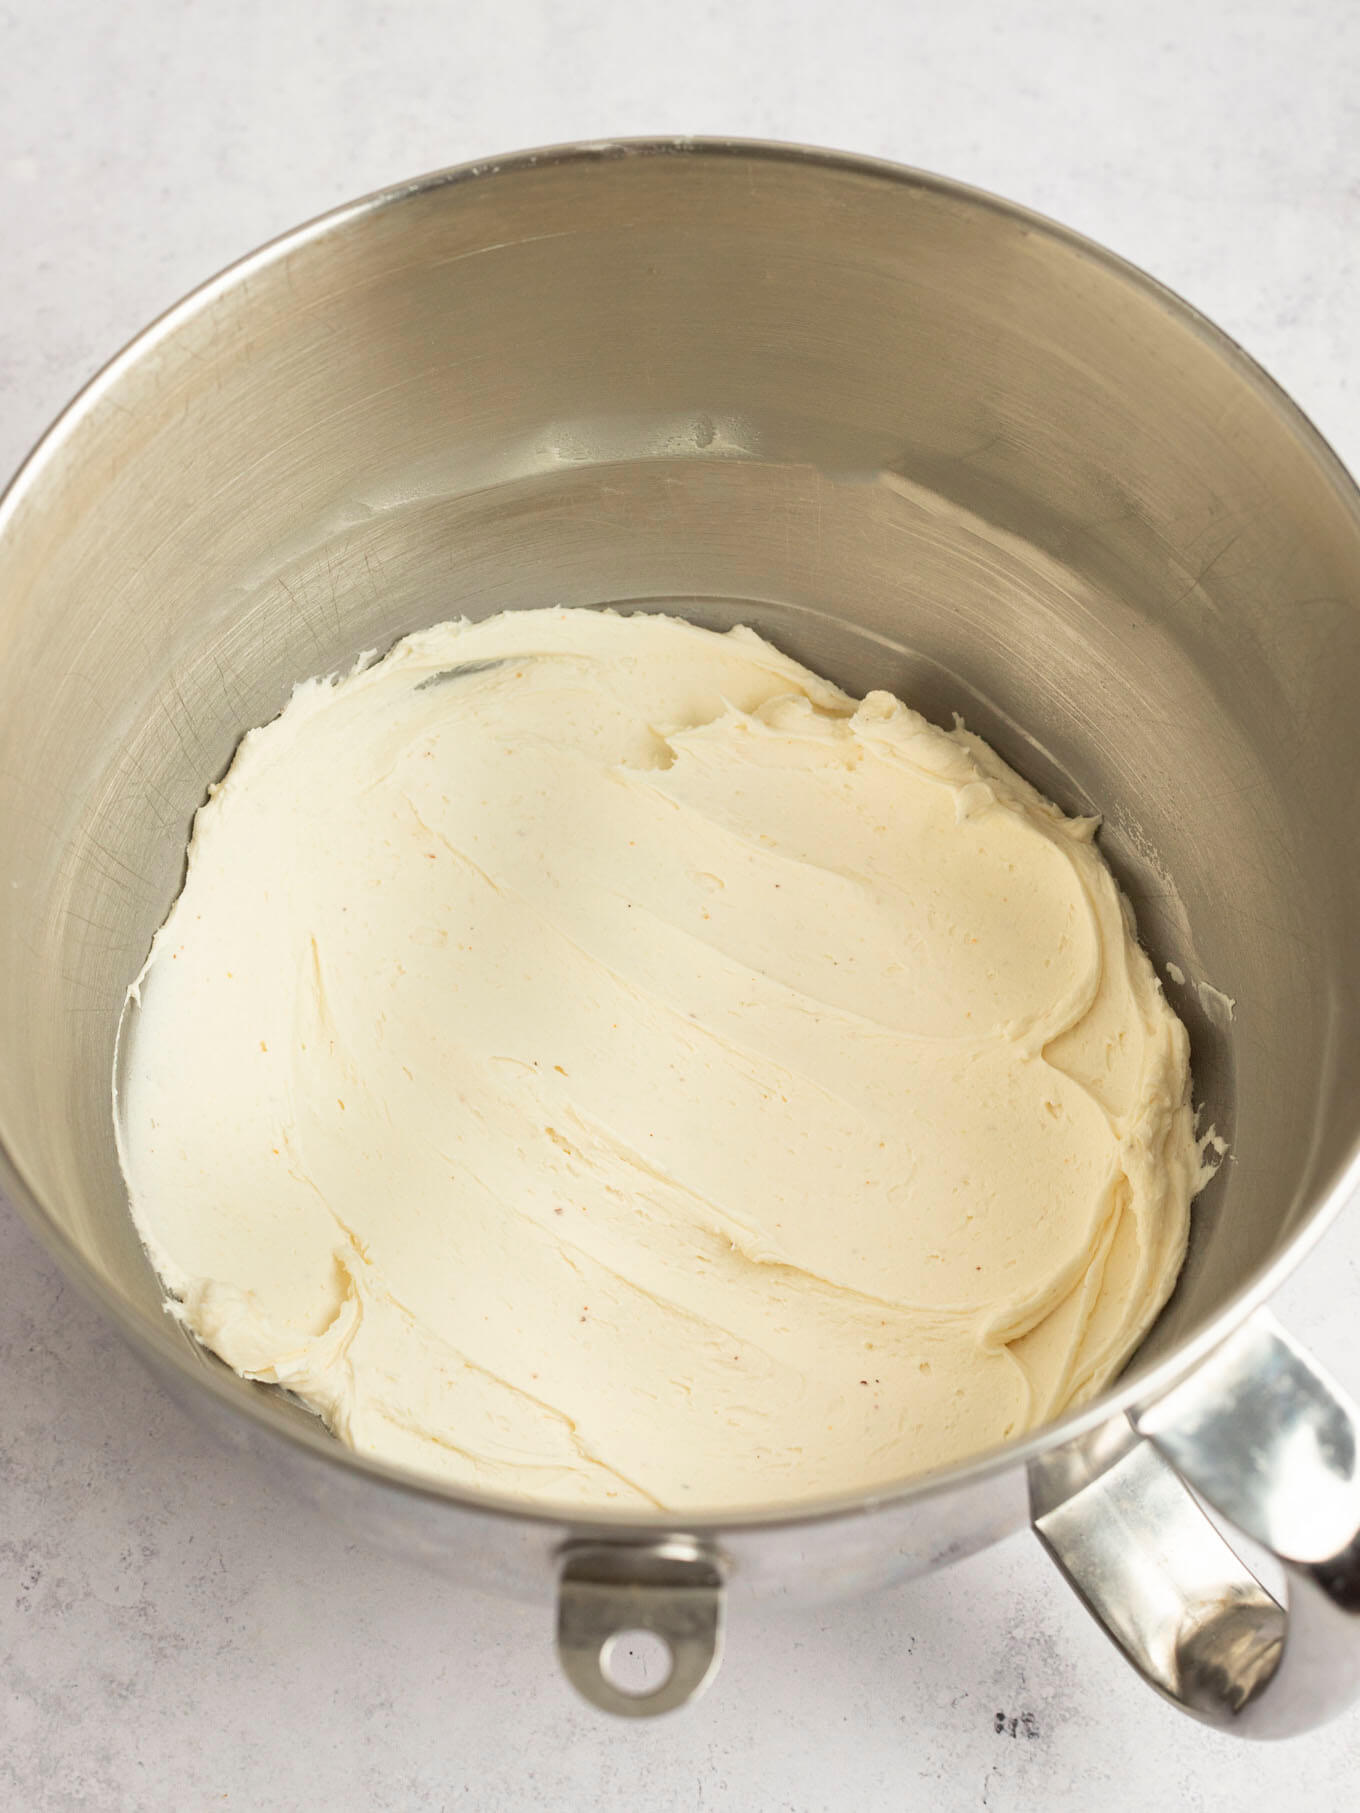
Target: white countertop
172 1637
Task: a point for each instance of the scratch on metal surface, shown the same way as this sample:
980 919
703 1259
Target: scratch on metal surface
1205 570
300 613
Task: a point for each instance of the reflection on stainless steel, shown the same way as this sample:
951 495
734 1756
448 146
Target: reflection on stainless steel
1295 1484
1269 1441
1189 1614
919 439
1266 1438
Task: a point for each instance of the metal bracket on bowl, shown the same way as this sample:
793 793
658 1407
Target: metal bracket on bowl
1265 1438
1129 1537
668 1594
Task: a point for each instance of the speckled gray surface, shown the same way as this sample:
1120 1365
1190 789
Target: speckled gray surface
172 1637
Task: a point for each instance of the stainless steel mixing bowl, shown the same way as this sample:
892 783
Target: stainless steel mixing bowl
924 441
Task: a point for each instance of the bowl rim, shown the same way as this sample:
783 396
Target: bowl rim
1135 1386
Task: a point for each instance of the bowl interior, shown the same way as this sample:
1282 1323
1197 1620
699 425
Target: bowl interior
921 441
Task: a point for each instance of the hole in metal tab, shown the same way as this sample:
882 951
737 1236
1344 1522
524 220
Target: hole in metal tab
636 1662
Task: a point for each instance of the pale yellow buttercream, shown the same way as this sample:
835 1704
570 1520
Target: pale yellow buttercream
594 1058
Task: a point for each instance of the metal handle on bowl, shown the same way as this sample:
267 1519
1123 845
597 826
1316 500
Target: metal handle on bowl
1272 1445
672 1589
